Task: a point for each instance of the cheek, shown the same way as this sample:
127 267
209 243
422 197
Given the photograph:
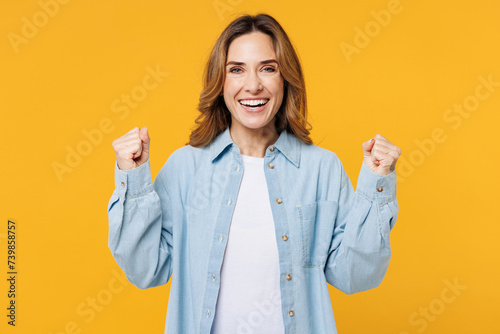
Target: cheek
229 88
277 86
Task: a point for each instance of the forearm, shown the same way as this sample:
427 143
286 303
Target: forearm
137 239
360 251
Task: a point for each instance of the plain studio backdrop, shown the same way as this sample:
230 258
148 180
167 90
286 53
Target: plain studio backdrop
75 75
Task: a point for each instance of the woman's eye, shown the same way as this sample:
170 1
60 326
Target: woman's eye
266 69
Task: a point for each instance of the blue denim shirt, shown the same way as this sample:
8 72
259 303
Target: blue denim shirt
325 232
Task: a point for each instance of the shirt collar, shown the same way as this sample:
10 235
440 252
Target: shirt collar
287 144
220 143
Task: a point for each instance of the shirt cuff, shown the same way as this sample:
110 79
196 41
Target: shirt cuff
376 187
133 182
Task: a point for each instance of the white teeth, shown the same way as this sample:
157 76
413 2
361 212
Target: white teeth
252 102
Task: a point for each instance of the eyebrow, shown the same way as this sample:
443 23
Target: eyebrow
262 62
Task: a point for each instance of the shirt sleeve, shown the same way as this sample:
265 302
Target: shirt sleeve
140 226
360 250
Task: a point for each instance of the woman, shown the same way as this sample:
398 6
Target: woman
251 218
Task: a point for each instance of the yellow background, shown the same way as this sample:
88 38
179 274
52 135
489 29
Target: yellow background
63 80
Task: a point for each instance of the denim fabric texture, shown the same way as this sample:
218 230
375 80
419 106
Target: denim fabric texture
177 226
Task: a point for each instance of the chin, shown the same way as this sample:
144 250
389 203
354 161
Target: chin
253 122
260 126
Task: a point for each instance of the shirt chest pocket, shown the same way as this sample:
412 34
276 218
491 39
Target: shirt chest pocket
317 221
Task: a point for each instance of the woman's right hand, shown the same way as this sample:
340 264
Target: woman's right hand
132 149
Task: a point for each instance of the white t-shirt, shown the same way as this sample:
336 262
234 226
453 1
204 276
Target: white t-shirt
249 298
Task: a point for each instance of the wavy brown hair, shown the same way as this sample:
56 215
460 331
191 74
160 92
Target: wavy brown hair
214 116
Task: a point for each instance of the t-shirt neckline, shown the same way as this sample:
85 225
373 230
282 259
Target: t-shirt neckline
247 158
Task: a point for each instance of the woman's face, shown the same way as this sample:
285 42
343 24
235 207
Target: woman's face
252 77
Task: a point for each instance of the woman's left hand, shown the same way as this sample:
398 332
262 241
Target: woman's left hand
380 154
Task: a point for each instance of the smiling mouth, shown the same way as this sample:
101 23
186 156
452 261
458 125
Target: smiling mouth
253 105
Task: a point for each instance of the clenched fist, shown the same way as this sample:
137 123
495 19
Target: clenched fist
380 155
132 149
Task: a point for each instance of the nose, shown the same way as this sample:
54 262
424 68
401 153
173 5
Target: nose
253 83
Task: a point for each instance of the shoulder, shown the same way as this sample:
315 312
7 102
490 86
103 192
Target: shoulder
184 161
312 154
316 160
188 154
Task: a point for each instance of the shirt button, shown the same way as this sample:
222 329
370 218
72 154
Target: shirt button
290 313
238 168
213 277
220 238
271 148
208 313
288 277
278 200
123 184
379 189
285 237
270 166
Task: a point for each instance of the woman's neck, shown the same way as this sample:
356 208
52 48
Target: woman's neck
253 142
